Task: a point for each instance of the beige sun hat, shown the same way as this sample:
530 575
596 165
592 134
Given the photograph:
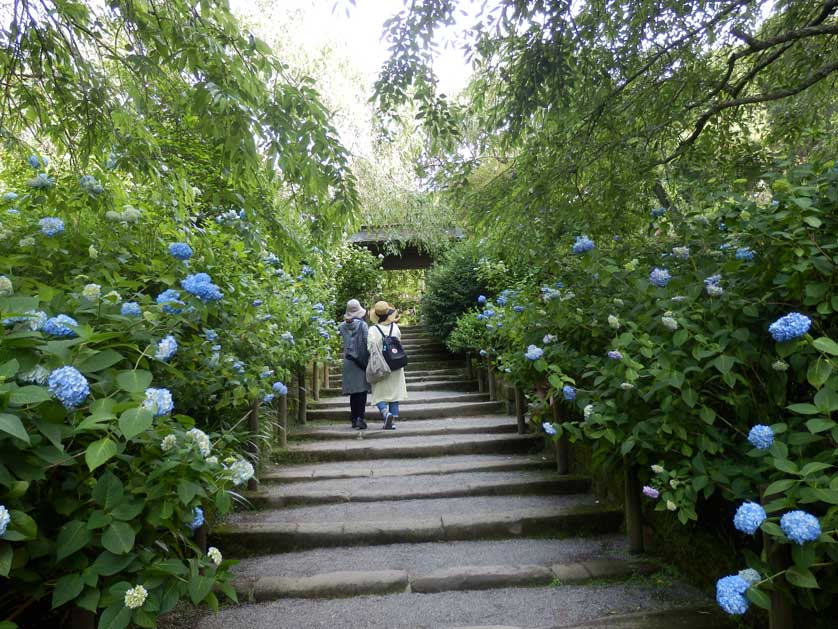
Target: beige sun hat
354 310
383 312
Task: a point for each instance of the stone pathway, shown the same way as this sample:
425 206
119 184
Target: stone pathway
452 520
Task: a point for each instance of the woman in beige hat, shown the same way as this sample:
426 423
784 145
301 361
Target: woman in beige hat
392 389
354 332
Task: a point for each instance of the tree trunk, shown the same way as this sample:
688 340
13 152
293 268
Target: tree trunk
315 381
490 380
301 395
521 410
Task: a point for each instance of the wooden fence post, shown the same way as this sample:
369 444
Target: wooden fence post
201 536
315 381
521 410
326 375
634 512
490 380
282 421
469 370
253 427
481 383
562 445
301 394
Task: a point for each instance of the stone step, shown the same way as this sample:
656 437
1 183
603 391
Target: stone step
460 485
394 468
411 521
430 427
348 583
424 397
409 447
441 385
436 375
422 410
433 356
632 604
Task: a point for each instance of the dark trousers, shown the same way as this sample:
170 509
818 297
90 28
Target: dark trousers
358 404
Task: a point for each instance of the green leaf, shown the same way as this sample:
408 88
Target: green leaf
128 510
73 536
9 369
6 556
118 538
31 394
680 337
784 465
199 587
66 589
108 564
98 519
117 616
801 578
758 597
186 491
99 361
814 467
818 372
689 396
53 432
779 486
804 409
99 452
134 381
135 421
826 400
168 566
803 556
89 600
826 344
108 491
11 424
723 363
819 424
21 528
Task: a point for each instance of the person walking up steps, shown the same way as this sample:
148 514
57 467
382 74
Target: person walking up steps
392 389
354 332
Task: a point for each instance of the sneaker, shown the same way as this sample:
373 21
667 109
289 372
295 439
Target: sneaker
361 425
389 422
354 423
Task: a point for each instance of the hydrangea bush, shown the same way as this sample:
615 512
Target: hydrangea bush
707 357
108 449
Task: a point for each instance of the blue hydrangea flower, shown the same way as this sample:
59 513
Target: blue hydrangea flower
750 576
5 519
200 285
197 518
10 196
568 393
488 314
279 388
791 326
158 401
657 212
111 162
534 352
287 337
166 348
256 303
800 527
51 226
318 307
481 300
59 326
211 335
131 309
518 308
36 319
548 428
749 517
761 436
169 297
180 250
744 253
484 353
41 181
267 373
69 386
502 300
659 277
583 244
13 211
324 333
238 366
615 355
91 185
267 398
730 594
34 161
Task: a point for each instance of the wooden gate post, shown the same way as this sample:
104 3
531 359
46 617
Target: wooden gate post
490 380
562 445
315 381
326 375
521 410
481 382
253 426
301 394
634 512
282 421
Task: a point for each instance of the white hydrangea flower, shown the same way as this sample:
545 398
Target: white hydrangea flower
779 365
549 338
671 505
92 252
6 287
588 411
201 440
91 292
614 322
26 242
657 469
212 460
113 297
618 302
631 266
241 471
715 290
682 253
669 322
169 442
135 597
215 555
626 386
673 483
37 375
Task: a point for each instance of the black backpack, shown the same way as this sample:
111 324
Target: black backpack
394 354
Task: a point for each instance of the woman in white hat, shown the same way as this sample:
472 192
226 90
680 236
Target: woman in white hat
354 331
392 389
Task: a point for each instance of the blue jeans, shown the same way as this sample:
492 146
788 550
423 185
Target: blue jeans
394 408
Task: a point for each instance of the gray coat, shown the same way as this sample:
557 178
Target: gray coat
354 335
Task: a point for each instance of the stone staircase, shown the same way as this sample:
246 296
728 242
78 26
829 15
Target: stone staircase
453 519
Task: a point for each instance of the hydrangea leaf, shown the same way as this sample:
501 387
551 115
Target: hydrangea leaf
99 361
758 598
135 421
118 538
99 452
73 536
11 424
134 381
66 589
